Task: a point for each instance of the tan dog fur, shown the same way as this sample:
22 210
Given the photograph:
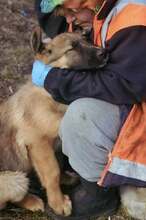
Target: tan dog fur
29 122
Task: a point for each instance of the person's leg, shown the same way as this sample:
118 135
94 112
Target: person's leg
88 132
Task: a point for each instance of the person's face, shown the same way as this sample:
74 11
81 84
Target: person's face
80 12
75 4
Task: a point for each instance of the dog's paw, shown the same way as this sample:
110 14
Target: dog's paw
32 203
63 206
67 206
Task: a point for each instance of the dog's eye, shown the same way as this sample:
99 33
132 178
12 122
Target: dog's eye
75 44
49 51
46 52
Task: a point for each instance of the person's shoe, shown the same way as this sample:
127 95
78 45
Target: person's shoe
90 200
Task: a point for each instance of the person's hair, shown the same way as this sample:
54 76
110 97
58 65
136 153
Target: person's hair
59 11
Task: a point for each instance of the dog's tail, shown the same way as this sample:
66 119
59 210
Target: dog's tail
13 186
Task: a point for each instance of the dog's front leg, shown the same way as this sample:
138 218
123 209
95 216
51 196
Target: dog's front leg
44 161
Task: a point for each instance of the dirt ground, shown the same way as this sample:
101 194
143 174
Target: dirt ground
17 19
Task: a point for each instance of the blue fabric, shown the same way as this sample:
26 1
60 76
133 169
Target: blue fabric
88 131
48 6
112 179
39 72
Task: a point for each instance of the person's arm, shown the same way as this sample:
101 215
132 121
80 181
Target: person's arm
122 81
52 25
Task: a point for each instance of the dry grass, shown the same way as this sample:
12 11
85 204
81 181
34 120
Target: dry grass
16 21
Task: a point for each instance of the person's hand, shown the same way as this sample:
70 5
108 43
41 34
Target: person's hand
39 72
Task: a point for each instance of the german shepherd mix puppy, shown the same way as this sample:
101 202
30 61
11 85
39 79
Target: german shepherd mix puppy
29 122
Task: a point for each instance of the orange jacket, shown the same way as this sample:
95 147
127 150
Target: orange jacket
127 161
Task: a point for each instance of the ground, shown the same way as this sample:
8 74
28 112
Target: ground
17 19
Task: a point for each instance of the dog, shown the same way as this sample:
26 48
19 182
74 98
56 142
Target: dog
29 122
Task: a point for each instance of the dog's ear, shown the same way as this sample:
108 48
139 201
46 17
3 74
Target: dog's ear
36 40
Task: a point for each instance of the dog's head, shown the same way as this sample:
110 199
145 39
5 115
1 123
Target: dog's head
68 50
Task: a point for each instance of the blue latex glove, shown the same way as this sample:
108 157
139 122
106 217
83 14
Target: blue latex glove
39 72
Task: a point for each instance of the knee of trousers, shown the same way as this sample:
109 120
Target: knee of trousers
90 117
73 118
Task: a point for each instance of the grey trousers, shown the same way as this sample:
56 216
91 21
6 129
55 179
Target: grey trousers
88 131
